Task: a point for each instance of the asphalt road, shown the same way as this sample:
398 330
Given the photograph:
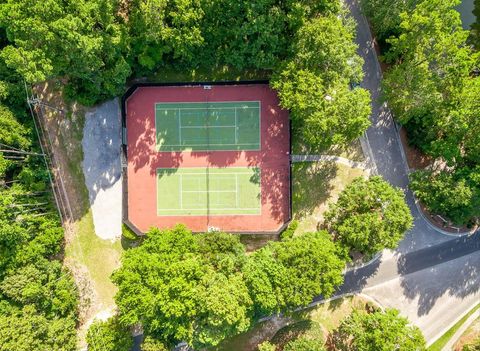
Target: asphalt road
392 265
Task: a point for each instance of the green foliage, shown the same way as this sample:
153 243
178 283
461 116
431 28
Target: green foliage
184 287
431 85
109 335
152 344
475 346
285 275
432 91
128 234
384 15
453 195
266 346
475 27
314 84
12 133
369 215
44 284
378 331
160 28
28 329
82 40
203 288
290 230
304 344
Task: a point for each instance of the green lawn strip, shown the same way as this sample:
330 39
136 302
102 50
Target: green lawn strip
202 74
315 185
442 341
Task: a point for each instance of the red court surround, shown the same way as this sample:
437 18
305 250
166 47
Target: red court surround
143 159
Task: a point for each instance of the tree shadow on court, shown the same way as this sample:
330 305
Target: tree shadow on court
218 158
274 163
142 153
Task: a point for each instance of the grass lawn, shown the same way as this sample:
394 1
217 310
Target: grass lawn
315 185
202 74
440 343
318 320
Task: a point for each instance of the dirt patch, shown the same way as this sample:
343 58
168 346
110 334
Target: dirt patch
415 158
62 127
471 335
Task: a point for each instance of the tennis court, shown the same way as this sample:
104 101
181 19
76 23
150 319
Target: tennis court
205 126
208 191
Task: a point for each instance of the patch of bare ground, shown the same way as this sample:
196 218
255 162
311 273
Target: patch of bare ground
415 158
471 335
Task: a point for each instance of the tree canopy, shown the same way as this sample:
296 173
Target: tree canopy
369 216
433 90
314 83
203 288
109 335
378 331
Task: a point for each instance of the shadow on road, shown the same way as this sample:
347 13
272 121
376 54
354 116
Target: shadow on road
452 267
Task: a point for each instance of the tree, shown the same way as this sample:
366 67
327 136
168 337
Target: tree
266 346
378 331
152 344
28 329
288 274
175 286
82 40
109 335
430 87
45 285
369 215
455 195
244 34
304 344
384 15
162 29
314 84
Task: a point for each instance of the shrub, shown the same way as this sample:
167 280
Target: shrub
289 231
109 336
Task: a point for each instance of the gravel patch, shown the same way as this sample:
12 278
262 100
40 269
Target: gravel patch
102 168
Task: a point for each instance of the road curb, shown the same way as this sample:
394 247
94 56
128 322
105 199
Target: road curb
373 259
448 327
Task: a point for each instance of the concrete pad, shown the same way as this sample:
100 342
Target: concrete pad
102 167
436 297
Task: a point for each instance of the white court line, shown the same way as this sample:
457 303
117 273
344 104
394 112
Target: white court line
236 127
181 191
189 145
203 127
209 191
179 126
236 190
204 209
207 108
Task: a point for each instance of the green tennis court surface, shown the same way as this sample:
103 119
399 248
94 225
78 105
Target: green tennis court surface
208 191
203 126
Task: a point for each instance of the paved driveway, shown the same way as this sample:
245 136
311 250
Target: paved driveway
102 167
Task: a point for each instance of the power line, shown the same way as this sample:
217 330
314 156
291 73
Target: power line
29 101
